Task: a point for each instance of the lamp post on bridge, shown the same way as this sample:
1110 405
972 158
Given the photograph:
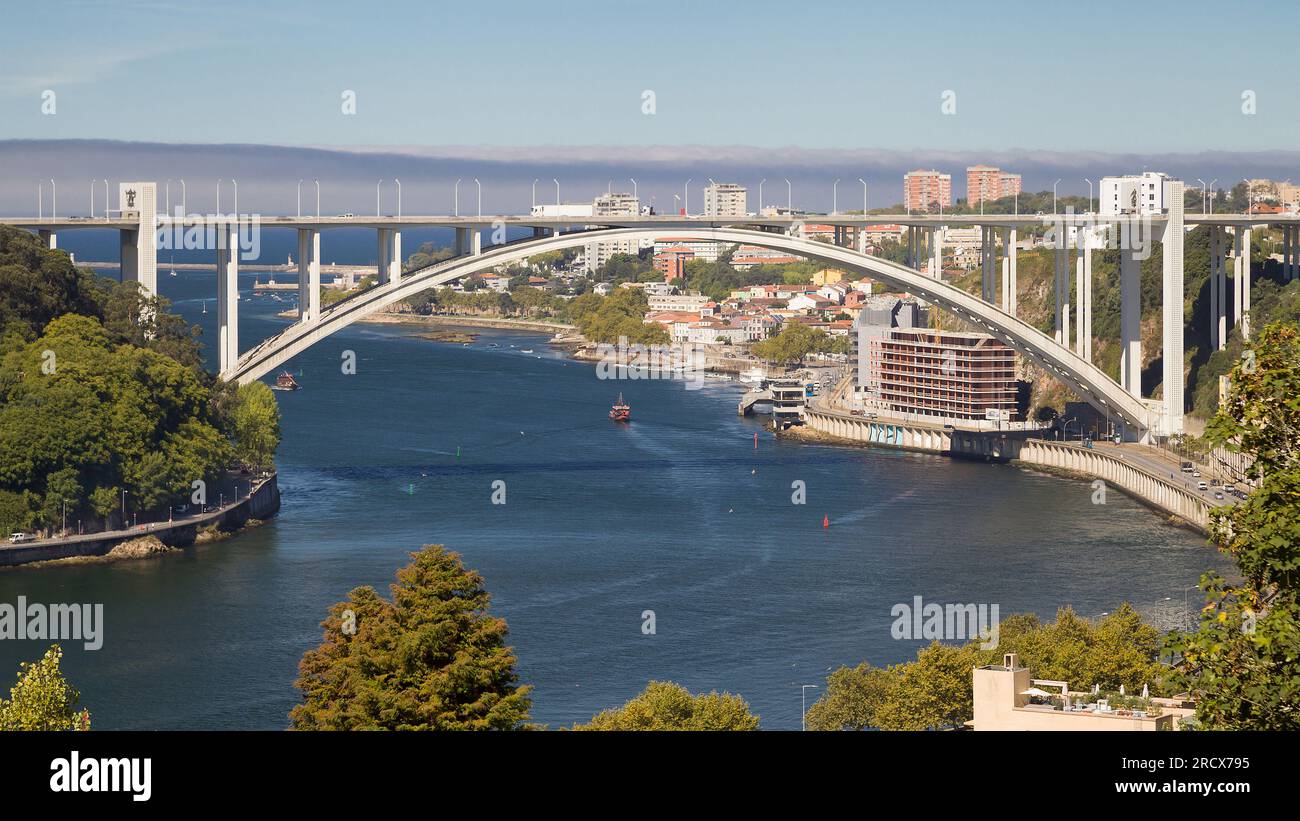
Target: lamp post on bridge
1203 193
534 201
299 199
455 198
686 197
378 185
1058 182
835 197
557 191
399 197
634 192
184 199
317 198
760 196
480 196
864 196
218 197
789 197
1089 195
105 200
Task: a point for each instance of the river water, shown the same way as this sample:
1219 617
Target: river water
677 513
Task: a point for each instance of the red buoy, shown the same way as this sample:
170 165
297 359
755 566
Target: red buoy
826 521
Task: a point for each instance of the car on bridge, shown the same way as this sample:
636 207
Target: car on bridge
19 537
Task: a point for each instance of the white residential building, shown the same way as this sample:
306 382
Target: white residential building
724 199
611 205
1145 193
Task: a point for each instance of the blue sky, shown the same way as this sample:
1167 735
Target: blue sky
1107 77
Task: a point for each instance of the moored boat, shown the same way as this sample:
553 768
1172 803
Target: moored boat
285 382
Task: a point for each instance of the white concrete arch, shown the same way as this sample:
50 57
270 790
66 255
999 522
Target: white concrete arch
1087 380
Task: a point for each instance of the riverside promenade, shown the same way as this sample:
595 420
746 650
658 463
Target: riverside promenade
261 502
1140 471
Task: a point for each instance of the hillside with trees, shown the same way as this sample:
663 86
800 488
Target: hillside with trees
102 394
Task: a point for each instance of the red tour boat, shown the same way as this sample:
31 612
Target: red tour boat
621 412
285 382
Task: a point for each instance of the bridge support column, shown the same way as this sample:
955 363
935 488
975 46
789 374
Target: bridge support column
227 297
48 238
476 241
1213 240
1009 276
1085 301
1236 276
988 291
462 241
1130 356
1245 284
138 247
1293 253
308 275
395 260
936 253
1061 258
383 254
1172 309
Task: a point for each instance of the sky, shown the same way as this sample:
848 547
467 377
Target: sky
1102 76
662 92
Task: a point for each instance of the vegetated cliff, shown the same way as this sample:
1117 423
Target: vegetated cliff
1271 300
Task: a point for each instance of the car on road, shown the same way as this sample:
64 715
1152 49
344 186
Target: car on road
1202 486
18 537
1218 495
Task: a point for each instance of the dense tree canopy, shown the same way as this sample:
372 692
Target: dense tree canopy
101 392
43 699
935 691
1243 663
432 658
664 705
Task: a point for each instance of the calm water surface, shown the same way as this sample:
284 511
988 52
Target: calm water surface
677 513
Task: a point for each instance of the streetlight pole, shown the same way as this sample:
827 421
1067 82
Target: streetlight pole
479 185
1089 195
760 196
317 198
299 199
864 196
557 191
1212 182
1204 194
184 201
54 200
218 198
803 694
455 198
634 193
789 197
378 185
686 197
835 197
399 197
1058 182
534 202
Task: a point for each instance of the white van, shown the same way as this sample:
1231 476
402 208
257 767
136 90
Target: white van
1202 486
17 537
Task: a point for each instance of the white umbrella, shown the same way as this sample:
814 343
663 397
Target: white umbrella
1034 691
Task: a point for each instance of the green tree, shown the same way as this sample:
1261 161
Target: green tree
1243 662
43 699
795 341
664 705
255 425
431 659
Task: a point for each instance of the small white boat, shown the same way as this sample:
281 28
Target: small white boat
526 350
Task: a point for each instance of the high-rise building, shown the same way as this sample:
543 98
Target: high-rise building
927 190
987 182
611 205
1146 193
904 368
724 199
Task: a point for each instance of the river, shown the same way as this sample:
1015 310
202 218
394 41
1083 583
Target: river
678 513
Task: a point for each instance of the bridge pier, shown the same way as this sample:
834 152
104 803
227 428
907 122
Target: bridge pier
1061 262
1009 275
936 253
227 296
1218 329
138 247
1083 296
1172 309
1291 269
308 275
1130 288
48 238
389 256
988 288
1241 281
